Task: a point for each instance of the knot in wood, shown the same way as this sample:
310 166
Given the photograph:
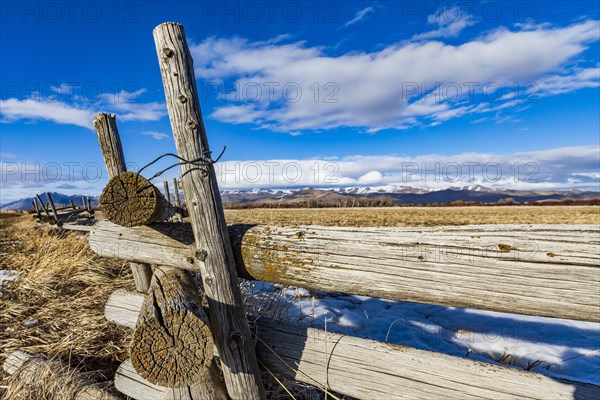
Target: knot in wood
236 339
192 124
208 280
201 255
190 260
168 52
204 173
182 99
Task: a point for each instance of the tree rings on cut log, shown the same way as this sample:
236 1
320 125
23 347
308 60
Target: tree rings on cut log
172 342
130 199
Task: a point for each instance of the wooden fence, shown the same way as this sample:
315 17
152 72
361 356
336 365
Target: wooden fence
67 214
546 270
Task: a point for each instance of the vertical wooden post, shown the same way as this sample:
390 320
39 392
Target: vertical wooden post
37 196
52 207
112 151
166 190
176 193
110 143
83 202
214 255
38 214
177 201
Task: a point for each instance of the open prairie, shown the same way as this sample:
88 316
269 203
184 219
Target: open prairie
417 216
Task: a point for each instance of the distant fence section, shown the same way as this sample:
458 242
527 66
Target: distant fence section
60 215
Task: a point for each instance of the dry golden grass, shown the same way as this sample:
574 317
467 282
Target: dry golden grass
417 216
42 378
63 286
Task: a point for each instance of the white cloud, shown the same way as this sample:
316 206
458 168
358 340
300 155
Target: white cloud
75 110
577 79
29 109
360 15
156 135
559 168
402 85
451 21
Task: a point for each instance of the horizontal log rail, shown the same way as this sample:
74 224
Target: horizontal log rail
544 270
363 368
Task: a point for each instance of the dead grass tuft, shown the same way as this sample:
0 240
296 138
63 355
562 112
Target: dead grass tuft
56 306
40 378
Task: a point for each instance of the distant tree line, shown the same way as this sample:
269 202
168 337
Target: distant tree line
317 203
389 202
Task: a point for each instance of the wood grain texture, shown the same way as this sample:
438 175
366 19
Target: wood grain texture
550 270
130 383
161 243
367 369
214 253
172 344
112 152
176 193
180 212
140 276
129 199
30 367
110 143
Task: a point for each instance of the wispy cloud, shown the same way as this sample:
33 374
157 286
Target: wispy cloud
360 15
156 135
450 21
8 155
401 85
75 110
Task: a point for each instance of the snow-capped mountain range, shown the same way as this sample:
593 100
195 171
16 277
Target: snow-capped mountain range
399 195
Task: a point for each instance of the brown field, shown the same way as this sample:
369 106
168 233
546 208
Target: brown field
417 216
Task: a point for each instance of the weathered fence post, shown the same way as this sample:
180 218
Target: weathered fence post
37 196
176 193
177 200
214 255
166 190
52 207
112 151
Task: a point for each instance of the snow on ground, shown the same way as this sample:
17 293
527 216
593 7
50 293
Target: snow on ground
7 275
554 347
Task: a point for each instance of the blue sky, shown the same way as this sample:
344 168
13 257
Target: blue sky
325 94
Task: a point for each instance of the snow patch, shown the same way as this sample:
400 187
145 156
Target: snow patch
555 347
